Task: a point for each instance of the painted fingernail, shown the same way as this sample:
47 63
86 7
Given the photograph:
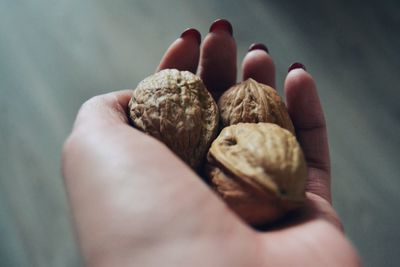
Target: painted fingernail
296 65
258 46
192 33
221 25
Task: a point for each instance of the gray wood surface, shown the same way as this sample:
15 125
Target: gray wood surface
56 54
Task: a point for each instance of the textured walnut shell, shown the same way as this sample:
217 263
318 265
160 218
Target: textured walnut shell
250 101
258 169
176 108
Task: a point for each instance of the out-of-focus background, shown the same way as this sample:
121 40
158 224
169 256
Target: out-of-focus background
56 54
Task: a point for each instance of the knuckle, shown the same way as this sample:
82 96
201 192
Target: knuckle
92 103
68 145
71 150
66 153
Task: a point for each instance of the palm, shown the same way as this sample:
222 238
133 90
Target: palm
134 202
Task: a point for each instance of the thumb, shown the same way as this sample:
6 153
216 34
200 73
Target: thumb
104 110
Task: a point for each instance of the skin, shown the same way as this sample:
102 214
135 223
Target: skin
134 203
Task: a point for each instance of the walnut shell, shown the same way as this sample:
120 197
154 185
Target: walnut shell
176 108
258 169
250 101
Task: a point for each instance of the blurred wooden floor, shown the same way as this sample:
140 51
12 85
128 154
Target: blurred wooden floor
56 54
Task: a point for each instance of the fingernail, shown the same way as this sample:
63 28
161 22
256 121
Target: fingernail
296 65
221 25
258 46
193 33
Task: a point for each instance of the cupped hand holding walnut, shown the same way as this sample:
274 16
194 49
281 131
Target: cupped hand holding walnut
257 168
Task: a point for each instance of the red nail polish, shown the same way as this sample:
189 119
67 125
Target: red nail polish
258 46
193 33
221 25
296 65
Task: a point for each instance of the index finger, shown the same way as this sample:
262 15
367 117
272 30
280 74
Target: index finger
218 58
183 53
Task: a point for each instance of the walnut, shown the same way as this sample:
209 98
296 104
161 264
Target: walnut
176 108
250 101
258 169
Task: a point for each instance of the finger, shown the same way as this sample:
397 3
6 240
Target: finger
105 110
183 54
218 58
258 65
308 119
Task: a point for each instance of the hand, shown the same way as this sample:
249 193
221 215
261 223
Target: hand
134 203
